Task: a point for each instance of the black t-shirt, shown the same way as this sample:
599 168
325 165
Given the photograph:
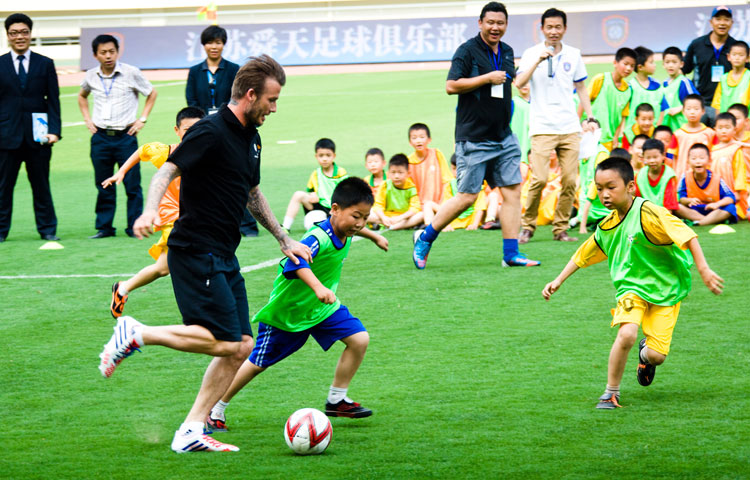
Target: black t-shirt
220 163
479 115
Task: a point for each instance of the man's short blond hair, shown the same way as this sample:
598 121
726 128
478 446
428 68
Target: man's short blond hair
253 75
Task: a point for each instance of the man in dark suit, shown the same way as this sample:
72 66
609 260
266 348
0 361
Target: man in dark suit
209 86
28 84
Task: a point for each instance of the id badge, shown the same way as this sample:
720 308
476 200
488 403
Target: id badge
212 110
497 91
716 72
106 110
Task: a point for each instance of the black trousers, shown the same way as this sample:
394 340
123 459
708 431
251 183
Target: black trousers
107 152
37 170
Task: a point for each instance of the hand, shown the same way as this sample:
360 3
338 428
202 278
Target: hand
583 229
674 110
90 125
550 288
382 243
496 77
325 295
51 138
293 249
693 202
472 227
387 221
448 228
114 179
135 127
544 56
712 206
143 226
714 282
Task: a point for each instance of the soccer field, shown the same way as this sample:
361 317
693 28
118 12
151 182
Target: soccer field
469 372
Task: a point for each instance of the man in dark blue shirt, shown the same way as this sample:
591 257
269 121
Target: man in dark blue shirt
481 73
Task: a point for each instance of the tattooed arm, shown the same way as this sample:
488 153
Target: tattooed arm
159 183
258 206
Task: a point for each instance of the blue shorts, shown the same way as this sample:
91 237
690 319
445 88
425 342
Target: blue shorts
497 162
274 344
731 208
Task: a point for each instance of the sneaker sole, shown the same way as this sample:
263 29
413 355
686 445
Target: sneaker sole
335 413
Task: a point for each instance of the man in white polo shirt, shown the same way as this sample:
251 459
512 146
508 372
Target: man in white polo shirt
554 71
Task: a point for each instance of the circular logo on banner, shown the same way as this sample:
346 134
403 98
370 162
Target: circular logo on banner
615 30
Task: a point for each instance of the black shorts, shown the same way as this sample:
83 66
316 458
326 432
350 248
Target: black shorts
317 206
210 292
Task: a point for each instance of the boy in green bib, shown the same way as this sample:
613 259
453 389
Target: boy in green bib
657 182
320 186
304 302
645 247
734 86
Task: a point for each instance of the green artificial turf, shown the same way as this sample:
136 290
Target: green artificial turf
470 373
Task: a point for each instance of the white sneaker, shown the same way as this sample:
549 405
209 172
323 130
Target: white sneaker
199 442
121 345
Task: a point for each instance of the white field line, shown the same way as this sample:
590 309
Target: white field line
249 268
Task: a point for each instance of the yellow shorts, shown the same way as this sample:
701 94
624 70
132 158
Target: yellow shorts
160 247
656 321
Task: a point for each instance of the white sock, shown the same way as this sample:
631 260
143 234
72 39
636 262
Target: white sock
615 389
191 429
642 355
287 223
218 410
122 290
138 335
335 394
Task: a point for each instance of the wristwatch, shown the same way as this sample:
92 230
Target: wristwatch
142 119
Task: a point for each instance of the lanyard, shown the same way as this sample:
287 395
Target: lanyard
717 53
212 86
107 91
495 58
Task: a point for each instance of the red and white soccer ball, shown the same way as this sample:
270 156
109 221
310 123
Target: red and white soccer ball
308 432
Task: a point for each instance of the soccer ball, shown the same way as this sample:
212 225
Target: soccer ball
308 432
313 217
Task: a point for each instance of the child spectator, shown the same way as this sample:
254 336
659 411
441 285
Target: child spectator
675 89
657 182
588 213
375 164
664 134
644 246
734 86
742 134
692 132
472 216
519 120
644 125
397 201
428 168
610 97
728 161
169 209
708 198
636 152
645 88
320 185
304 302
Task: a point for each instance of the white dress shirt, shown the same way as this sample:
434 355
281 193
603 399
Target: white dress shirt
14 56
116 95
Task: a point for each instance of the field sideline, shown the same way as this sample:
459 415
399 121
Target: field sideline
469 372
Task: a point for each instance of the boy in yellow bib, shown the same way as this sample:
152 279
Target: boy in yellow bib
397 200
169 209
645 247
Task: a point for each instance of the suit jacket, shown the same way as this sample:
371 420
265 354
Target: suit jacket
197 93
41 94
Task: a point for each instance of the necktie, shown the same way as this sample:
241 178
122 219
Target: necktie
21 71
